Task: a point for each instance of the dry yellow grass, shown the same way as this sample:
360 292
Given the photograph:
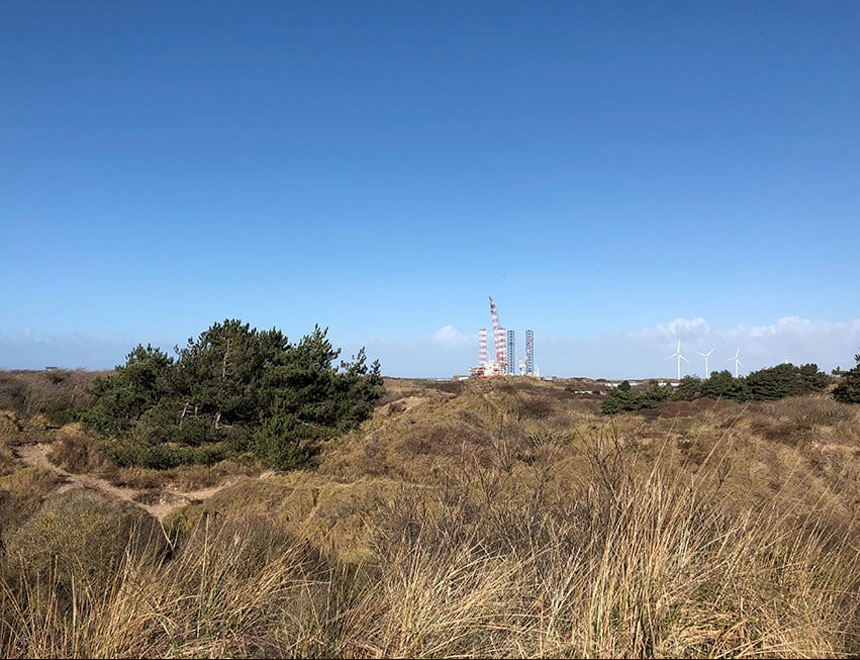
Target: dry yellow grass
500 520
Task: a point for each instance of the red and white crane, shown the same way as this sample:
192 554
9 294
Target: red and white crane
498 336
486 368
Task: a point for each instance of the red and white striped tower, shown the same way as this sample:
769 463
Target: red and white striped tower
482 346
498 336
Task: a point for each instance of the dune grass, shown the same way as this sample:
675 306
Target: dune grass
529 526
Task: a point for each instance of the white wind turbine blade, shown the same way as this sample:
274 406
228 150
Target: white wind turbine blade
683 358
741 363
671 356
703 354
711 351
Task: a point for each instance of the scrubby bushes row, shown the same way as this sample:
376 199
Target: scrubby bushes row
232 391
55 393
625 398
762 385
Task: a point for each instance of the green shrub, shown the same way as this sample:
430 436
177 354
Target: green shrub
785 380
138 385
848 390
624 398
689 389
232 390
765 384
277 443
722 385
165 457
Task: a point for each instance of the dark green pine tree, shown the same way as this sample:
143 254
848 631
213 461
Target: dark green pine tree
688 389
137 386
811 378
722 385
310 399
231 391
848 390
785 380
218 372
772 383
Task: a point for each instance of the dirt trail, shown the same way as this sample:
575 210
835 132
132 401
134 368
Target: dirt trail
37 455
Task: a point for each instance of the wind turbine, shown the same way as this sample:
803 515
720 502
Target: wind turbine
677 354
706 356
736 360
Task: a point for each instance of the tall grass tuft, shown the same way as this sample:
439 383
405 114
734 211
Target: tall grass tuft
621 564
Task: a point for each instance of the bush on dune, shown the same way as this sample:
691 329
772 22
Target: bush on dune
21 495
81 537
765 384
848 390
233 391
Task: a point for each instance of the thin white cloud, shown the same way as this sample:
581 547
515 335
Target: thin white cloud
450 336
801 327
793 338
681 327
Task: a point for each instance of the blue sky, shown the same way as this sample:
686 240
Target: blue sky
602 169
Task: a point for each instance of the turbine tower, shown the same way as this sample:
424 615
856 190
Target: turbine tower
677 354
706 356
737 360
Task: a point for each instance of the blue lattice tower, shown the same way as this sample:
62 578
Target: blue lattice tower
530 351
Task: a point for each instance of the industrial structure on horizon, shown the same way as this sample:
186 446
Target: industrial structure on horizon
504 342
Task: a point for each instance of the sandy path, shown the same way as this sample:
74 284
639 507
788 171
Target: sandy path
37 455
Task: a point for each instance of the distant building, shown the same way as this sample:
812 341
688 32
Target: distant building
511 362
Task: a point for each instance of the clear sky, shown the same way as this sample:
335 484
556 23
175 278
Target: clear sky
616 174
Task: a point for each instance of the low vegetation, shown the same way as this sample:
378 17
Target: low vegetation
487 518
57 394
762 385
233 392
